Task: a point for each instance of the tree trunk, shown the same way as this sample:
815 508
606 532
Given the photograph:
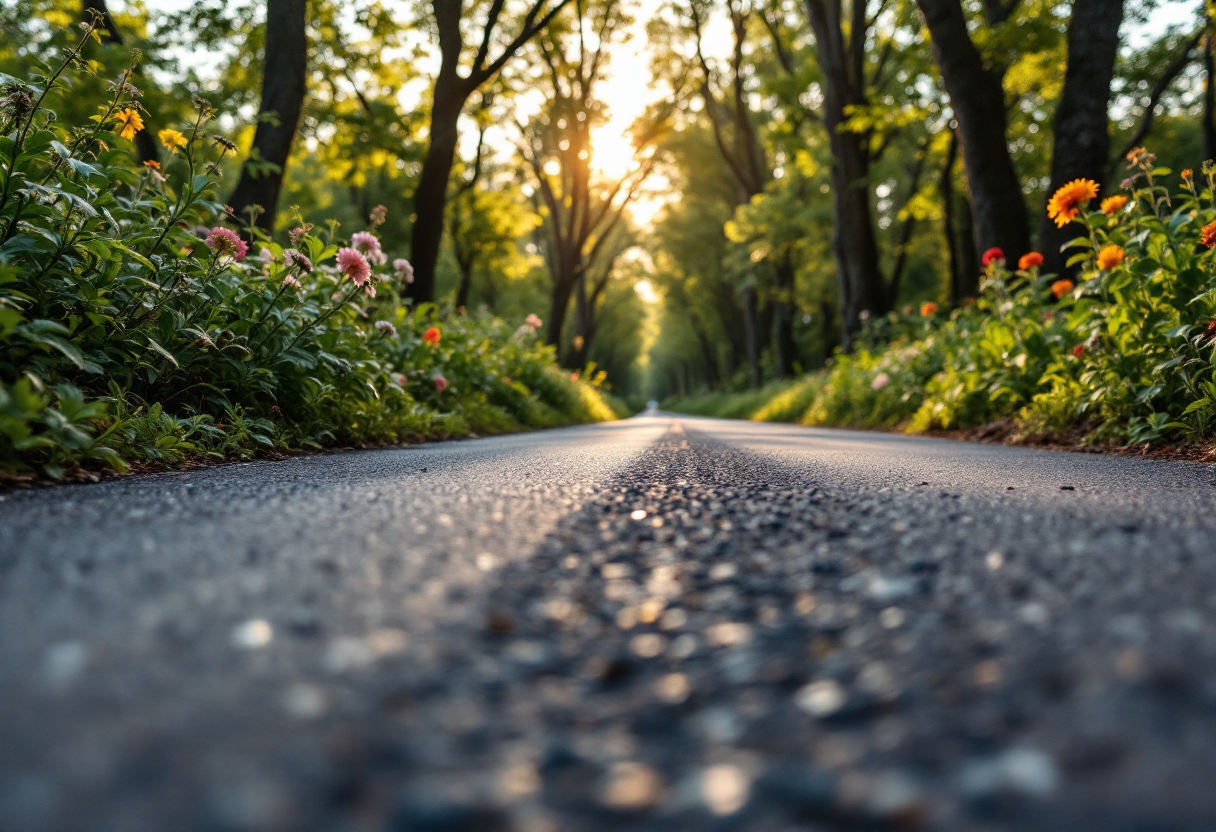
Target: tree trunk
145 141
431 195
854 245
1082 138
968 261
466 283
751 336
284 85
1209 94
945 189
785 352
977 97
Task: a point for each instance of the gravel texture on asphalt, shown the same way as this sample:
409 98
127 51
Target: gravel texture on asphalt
663 624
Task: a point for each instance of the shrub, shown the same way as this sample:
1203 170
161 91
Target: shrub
136 325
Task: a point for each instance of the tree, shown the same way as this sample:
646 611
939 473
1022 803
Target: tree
584 209
451 92
1082 134
284 84
977 95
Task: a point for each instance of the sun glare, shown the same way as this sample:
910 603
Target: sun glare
611 151
646 291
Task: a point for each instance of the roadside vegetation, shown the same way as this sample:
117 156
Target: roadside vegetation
1122 354
140 321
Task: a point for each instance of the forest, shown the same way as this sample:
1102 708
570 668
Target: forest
798 209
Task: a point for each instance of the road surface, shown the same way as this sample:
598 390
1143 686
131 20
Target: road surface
666 623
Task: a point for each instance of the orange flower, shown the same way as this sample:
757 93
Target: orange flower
1207 235
1066 204
1030 260
1113 204
432 335
1110 256
1187 173
928 309
153 164
1061 288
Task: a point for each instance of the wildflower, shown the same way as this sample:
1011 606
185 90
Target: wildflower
1061 288
992 255
265 255
1110 256
432 335
441 383
1030 260
1210 332
1065 204
928 309
1113 204
533 320
378 215
292 281
171 139
297 234
1187 173
1140 158
880 381
398 378
370 289
152 164
365 242
294 258
354 265
1207 234
574 376
225 242
1078 351
387 328
132 122
227 144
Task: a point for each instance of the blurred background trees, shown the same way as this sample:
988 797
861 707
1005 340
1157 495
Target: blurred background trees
795 168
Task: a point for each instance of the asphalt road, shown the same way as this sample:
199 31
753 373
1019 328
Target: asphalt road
660 624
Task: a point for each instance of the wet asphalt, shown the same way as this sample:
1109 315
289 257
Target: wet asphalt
665 623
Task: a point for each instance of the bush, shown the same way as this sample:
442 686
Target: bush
1126 353
134 325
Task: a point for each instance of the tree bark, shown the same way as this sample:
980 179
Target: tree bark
977 96
1209 93
785 351
858 272
1082 137
750 336
430 197
284 85
968 257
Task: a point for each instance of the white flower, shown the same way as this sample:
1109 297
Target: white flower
880 381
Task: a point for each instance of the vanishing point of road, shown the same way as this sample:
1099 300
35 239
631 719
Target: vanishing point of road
664 623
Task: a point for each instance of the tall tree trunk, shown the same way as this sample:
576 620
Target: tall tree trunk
968 259
785 351
977 97
431 195
1209 92
145 142
284 85
751 336
854 245
945 189
466 283
1082 137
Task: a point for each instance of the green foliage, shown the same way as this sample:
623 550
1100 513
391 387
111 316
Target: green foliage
133 327
1128 353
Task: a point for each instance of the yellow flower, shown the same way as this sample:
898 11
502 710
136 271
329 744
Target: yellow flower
1113 204
131 122
172 140
1110 256
1064 206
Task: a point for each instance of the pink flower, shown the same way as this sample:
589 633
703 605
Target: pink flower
399 379
533 321
387 328
441 383
291 280
354 265
365 241
225 242
369 289
294 258
403 269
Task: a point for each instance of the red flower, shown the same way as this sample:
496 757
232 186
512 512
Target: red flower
991 255
1078 350
1030 260
441 383
432 336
